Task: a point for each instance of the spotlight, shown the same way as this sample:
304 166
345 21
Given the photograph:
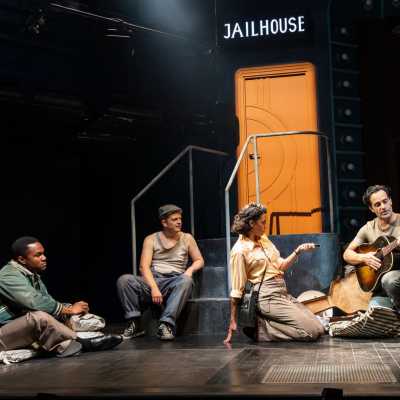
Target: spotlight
368 5
35 22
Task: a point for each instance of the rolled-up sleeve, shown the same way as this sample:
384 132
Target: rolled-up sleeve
238 274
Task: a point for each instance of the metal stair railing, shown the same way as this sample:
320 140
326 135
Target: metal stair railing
253 140
189 150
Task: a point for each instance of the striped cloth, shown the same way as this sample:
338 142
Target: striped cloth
376 322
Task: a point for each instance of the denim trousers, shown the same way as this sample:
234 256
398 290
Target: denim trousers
391 287
135 295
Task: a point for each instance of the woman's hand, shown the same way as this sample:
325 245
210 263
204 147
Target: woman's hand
293 256
232 328
305 247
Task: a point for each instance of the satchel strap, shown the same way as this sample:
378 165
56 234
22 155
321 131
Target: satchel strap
265 270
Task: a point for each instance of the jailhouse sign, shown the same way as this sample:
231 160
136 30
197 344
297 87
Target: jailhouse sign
264 28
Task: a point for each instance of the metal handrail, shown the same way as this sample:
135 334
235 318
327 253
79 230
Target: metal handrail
188 149
253 139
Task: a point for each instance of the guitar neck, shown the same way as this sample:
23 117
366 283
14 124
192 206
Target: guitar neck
390 247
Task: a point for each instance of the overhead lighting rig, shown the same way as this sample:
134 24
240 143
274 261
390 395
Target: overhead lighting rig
119 28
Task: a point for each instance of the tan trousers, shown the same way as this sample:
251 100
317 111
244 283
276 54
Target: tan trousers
283 317
35 327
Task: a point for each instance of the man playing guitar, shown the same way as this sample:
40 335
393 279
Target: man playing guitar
386 223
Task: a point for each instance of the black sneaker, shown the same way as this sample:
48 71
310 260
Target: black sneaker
165 332
133 330
105 342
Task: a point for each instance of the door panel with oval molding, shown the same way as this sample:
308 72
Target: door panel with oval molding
275 99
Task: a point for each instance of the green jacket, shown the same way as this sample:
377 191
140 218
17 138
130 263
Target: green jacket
22 291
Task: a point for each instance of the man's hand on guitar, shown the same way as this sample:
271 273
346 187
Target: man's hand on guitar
372 261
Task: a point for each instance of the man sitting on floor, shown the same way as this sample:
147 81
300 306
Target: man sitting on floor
30 315
166 279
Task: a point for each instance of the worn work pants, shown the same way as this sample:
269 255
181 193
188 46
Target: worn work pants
135 295
283 317
391 286
35 327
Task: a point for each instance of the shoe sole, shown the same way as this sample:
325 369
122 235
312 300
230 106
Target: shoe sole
74 349
166 338
139 334
110 345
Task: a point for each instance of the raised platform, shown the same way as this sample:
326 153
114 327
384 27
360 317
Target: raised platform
203 367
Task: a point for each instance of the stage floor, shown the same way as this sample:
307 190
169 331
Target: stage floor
199 366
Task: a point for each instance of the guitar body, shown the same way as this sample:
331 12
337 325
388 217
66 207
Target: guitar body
344 293
353 292
368 277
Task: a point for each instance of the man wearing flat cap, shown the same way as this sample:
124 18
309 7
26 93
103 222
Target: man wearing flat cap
166 276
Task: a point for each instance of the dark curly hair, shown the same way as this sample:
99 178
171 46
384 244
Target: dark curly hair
250 212
373 189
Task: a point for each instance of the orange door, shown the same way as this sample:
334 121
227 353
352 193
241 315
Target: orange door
276 99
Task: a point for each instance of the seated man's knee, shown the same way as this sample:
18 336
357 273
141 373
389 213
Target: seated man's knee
39 317
318 331
391 280
186 280
40 314
309 334
315 334
125 280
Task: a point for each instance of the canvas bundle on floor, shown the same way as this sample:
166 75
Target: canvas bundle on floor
15 356
86 323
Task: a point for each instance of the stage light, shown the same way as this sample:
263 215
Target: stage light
344 56
346 84
354 222
348 167
352 194
35 23
368 5
348 112
348 139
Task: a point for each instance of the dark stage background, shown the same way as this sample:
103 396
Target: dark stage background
87 119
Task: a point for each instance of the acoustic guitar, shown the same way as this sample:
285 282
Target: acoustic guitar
383 248
344 294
